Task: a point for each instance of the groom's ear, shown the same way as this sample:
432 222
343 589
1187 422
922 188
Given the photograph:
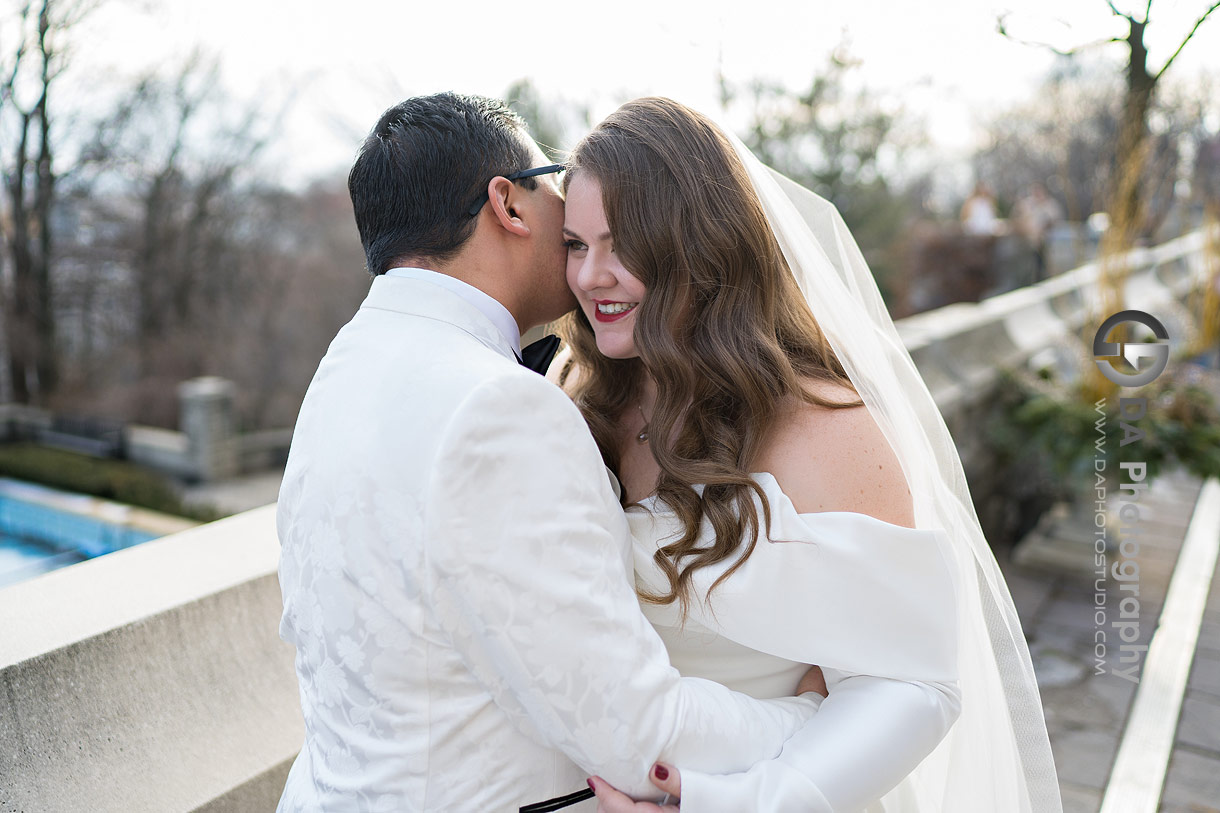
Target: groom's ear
505 198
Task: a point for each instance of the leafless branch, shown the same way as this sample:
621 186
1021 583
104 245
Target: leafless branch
7 89
1198 23
1004 32
1148 12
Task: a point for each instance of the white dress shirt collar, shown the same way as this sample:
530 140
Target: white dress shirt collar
487 305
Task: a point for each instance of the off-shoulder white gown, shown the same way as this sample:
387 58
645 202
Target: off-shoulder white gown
874 604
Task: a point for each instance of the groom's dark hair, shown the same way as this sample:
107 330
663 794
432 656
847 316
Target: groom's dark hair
422 168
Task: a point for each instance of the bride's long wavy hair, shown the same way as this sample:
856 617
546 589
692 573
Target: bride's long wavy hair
724 330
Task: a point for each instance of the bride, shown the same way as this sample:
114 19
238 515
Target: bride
793 493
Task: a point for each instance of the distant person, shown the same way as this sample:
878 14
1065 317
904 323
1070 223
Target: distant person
978 212
1035 215
980 226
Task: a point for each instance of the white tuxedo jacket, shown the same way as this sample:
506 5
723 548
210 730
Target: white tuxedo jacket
456 578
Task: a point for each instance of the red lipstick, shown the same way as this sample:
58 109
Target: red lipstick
610 317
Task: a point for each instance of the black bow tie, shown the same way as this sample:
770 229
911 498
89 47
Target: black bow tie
537 355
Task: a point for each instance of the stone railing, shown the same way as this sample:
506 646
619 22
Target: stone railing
960 349
960 346
151 679
154 678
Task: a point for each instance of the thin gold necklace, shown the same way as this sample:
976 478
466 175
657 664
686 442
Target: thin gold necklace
643 436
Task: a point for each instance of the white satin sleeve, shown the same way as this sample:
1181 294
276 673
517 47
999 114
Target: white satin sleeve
528 574
875 605
867 736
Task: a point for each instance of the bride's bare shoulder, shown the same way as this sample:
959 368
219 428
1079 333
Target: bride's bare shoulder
837 459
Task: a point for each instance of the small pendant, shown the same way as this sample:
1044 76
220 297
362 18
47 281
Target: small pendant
643 436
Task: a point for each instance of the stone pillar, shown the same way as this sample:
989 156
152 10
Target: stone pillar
206 418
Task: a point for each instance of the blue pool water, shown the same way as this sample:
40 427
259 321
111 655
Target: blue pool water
36 538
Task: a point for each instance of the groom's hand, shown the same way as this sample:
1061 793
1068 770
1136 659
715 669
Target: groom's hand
610 800
813 681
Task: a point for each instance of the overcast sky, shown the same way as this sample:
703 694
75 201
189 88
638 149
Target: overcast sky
942 60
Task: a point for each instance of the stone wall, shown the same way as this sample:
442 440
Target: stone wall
151 679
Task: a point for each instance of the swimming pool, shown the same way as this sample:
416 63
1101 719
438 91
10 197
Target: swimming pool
42 529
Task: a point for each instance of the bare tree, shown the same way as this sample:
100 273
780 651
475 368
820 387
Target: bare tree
35 55
160 248
163 184
191 258
1127 208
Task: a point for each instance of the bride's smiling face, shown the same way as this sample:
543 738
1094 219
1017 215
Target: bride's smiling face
608 293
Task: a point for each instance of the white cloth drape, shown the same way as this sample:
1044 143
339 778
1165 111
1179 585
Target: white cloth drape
997 756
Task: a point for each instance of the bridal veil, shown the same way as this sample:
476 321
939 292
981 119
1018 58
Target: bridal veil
997 756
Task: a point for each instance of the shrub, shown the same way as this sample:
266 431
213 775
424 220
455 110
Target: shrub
109 479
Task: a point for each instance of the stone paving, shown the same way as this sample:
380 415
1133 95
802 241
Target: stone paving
1086 712
237 494
1193 783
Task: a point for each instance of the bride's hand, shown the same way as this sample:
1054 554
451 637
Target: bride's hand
813 681
610 800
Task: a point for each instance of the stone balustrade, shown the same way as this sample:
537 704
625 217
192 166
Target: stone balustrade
150 679
154 679
960 349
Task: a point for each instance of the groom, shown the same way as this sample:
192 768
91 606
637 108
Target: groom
455 565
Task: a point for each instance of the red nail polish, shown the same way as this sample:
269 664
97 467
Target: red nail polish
661 772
